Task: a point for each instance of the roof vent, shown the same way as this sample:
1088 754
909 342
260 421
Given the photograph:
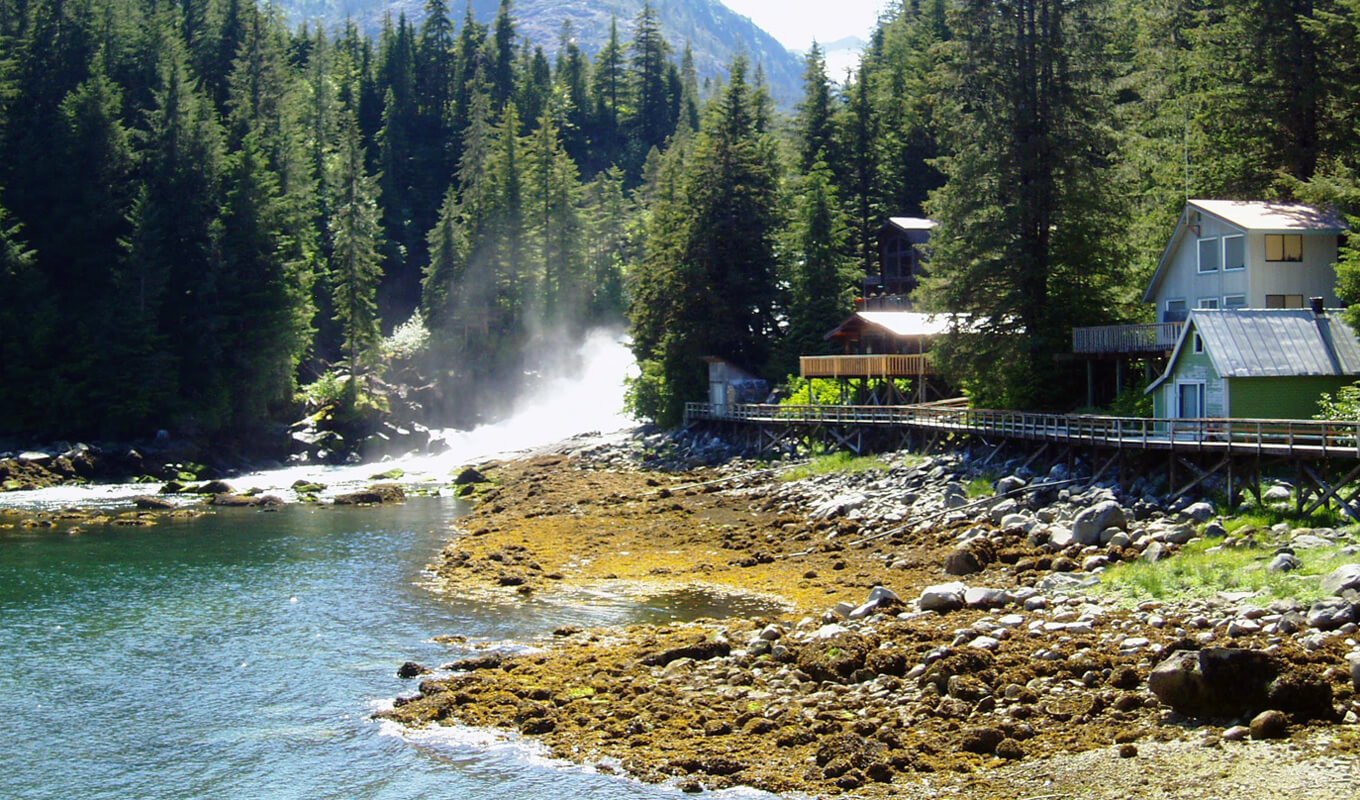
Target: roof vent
1317 304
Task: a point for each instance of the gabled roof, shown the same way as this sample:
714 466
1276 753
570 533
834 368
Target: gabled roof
1257 216
1265 343
904 324
1262 216
913 223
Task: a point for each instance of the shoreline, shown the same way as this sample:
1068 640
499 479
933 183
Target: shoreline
892 702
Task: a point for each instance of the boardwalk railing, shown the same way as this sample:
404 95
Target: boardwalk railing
1150 338
1308 438
879 366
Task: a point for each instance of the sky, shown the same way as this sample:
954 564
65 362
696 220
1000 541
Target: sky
795 23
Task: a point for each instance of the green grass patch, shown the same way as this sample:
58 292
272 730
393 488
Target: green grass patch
840 461
1195 571
980 486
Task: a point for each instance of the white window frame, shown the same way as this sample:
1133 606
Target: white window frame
1224 254
1228 297
1210 303
1167 309
1199 254
1176 398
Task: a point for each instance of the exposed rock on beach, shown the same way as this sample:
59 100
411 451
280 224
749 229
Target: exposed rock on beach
937 638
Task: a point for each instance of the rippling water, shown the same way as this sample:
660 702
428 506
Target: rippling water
240 656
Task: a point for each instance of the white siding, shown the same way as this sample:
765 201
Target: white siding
1315 276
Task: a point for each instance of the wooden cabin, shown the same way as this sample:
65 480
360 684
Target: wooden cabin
1256 364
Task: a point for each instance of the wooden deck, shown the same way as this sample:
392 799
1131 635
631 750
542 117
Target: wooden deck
871 366
1157 337
1306 439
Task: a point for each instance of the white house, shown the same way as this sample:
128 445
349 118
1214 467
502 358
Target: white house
1246 254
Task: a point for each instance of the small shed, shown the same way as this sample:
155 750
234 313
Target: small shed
729 384
1256 364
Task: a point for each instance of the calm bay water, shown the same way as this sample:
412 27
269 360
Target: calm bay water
241 655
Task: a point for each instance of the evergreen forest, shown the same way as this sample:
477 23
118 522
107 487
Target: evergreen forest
205 211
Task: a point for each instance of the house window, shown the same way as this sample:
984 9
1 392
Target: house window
1175 311
1284 301
1208 255
1208 302
1234 301
1234 252
1199 344
1284 247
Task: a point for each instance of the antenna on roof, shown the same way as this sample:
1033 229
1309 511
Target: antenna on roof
1185 150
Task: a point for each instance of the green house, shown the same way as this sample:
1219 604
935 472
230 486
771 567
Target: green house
1256 364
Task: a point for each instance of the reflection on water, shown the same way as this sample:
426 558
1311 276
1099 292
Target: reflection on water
241 655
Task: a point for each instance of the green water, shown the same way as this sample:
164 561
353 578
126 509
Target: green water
241 656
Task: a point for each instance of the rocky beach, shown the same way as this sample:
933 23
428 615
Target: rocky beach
949 629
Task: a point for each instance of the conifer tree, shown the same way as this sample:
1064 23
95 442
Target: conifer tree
356 256
1026 241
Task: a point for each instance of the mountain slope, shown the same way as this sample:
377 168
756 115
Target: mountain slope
715 32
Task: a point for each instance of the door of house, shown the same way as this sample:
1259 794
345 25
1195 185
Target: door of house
1189 400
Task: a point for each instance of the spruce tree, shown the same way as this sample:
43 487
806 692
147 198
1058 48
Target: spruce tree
356 256
1027 241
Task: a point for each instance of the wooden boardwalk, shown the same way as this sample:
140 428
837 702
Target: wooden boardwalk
1321 457
1270 437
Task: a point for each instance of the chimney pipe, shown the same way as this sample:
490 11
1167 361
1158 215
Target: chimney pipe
1316 303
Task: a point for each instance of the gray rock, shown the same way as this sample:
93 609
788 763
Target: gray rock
1279 493
1342 578
1009 484
882 594
1060 537
842 609
828 631
1215 530
771 632
1309 541
1089 524
1355 670
839 505
1236 733
1199 512
1328 615
943 597
1177 535
1155 552
1002 510
1284 562
1014 521
982 597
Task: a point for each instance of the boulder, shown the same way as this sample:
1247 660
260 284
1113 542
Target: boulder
375 494
469 475
148 503
1009 484
982 597
839 505
1284 562
1279 493
943 597
1328 615
1269 724
1002 510
1355 670
212 487
1199 512
1089 524
1215 682
1342 578
963 561
234 501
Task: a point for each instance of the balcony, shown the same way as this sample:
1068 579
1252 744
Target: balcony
874 366
1147 339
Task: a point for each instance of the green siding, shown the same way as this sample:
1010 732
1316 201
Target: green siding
1280 398
1191 366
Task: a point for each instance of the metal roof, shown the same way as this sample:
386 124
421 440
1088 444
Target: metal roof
913 223
1257 215
1265 343
1249 215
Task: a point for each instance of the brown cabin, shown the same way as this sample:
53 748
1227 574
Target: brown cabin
902 243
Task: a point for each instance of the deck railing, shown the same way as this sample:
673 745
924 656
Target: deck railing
870 366
1147 338
1329 438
